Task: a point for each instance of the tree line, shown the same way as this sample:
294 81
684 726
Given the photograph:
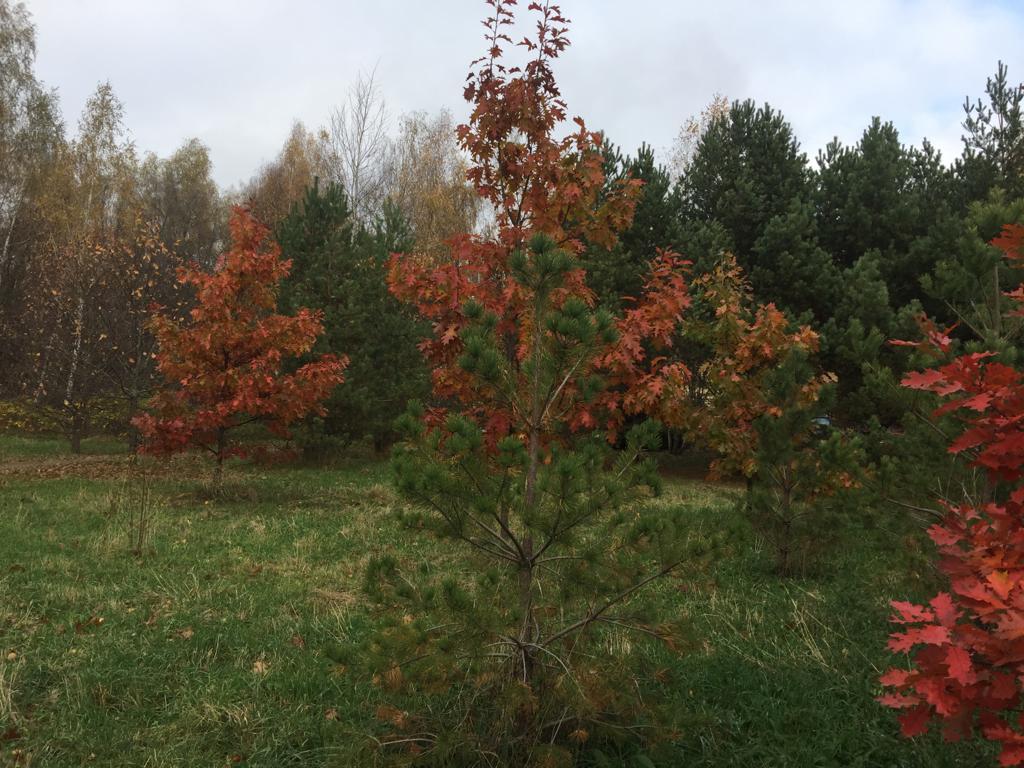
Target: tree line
855 244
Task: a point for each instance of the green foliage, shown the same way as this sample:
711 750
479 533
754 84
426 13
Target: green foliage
513 648
340 268
879 195
805 472
994 140
883 210
748 191
791 269
618 272
747 169
855 344
971 276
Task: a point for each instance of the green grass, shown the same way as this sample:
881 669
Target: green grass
17 446
215 647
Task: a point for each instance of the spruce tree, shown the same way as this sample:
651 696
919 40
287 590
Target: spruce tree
340 267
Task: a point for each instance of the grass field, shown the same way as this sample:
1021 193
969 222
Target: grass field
215 645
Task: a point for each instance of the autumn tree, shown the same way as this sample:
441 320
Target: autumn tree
426 180
178 194
90 206
224 367
356 148
281 183
517 472
30 135
743 342
138 272
684 147
756 401
67 383
964 645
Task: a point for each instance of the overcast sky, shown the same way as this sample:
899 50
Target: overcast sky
237 73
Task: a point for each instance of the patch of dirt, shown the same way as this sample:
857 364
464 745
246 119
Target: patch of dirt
90 467
48 467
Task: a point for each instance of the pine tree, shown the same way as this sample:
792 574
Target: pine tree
746 170
791 269
340 268
508 631
994 140
969 280
880 195
747 191
617 272
804 471
758 409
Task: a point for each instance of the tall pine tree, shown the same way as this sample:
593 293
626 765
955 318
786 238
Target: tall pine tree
340 268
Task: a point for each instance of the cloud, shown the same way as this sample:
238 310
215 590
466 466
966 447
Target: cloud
237 73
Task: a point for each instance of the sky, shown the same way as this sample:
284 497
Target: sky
238 73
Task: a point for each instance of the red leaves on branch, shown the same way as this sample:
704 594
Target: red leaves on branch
989 398
640 381
747 341
967 648
534 181
537 183
225 367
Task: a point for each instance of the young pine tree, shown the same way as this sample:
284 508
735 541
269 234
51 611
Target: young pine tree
520 633
804 471
757 408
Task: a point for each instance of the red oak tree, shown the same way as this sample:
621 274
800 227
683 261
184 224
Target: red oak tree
225 367
966 646
536 182
746 343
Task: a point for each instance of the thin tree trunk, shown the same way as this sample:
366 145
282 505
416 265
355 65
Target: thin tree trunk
218 472
529 500
77 430
4 254
76 351
134 440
